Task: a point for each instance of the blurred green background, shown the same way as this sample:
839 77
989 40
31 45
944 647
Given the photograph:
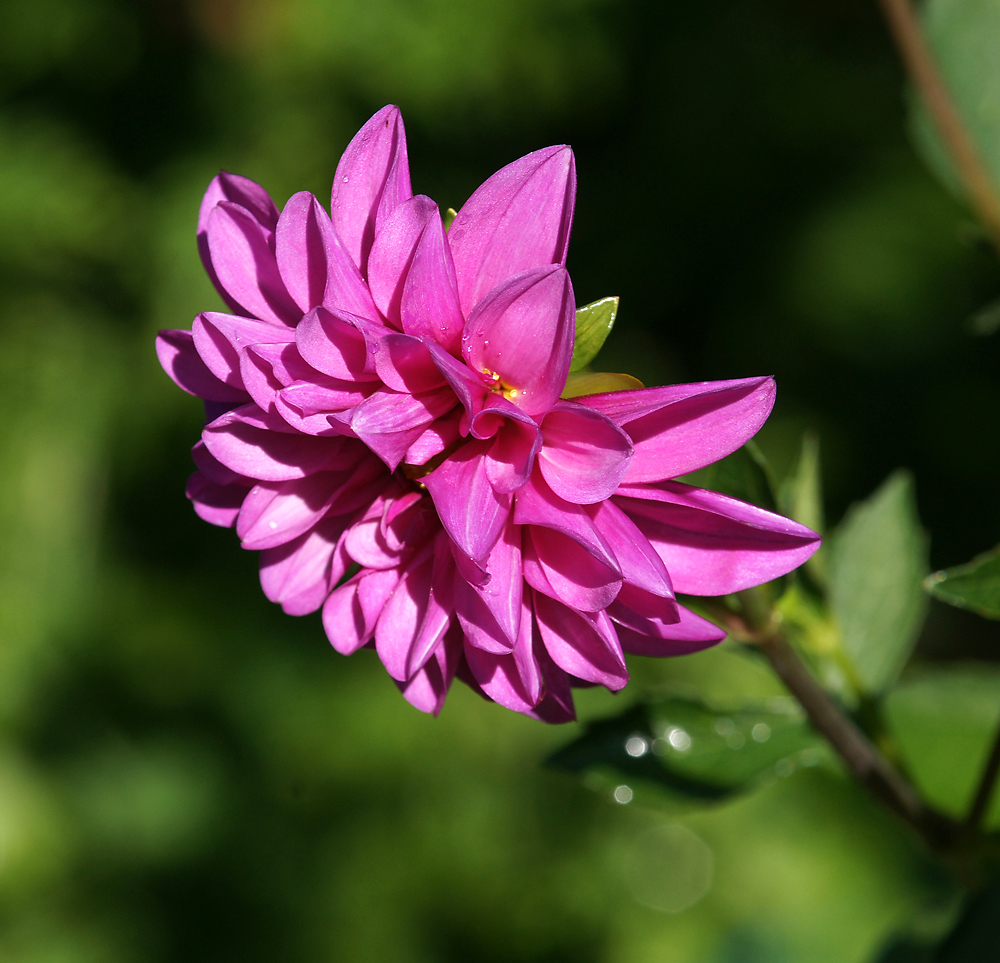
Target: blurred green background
187 774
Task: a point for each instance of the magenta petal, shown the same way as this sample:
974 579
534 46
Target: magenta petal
244 262
179 358
300 574
303 235
220 338
389 422
503 590
248 195
517 220
585 456
372 179
517 440
274 513
641 567
429 305
537 504
713 544
405 363
556 705
262 446
429 686
584 646
568 571
333 345
308 407
403 615
513 680
690 633
473 514
393 252
682 428
523 331
436 439
469 387
351 611
214 503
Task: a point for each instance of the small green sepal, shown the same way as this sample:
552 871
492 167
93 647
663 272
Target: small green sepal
449 215
593 325
598 383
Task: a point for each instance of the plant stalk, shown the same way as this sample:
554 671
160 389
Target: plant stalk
905 28
984 791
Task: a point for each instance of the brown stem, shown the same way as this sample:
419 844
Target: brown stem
923 72
860 755
984 791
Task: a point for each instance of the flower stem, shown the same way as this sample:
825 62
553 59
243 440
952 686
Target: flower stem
984 791
923 71
860 755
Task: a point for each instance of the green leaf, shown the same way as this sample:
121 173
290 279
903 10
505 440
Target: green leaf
963 37
974 586
593 325
943 722
597 382
695 752
801 493
877 559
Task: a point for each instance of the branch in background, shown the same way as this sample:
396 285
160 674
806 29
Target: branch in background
923 72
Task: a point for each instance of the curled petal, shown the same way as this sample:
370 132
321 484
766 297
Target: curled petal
513 680
262 446
641 568
334 343
405 363
221 338
713 544
179 358
429 306
351 611
585 646
372 179
472 512
511 457
690 633
429 686
585 456
393 251
682 428
523 332
274 513
244 262
322 409
389 422
517 220
214 503
562 569
301 241
300 574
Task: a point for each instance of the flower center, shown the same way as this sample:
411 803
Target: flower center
498 387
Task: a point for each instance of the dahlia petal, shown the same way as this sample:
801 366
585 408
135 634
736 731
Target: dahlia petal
301 240
351 611
523 331
517 440
274 513
404 363
569 572
403 615
537 504
372 179
585 456
244 263
713 544
473 514
259 445
503 591
584 646
682 428
390 422
470 387
641 567
365 544
221 338
429 306
180 360
333 345
215 471
429 686
300 574
517 220
556 705
691 633
214 503
482 630
513 680
251 197
393 251
437 438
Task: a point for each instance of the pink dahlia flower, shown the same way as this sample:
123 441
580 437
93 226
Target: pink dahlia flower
387 425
